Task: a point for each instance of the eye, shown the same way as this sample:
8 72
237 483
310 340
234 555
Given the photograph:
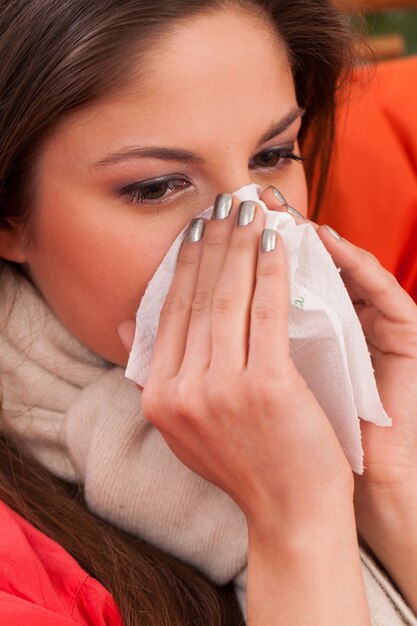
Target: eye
275 157
153 190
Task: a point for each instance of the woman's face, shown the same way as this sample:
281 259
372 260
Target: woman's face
197 124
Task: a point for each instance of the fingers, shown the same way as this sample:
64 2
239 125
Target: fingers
268 341
240 298
275 201
234 291
206 311
228 303
362 272
366 280
216 240
169 347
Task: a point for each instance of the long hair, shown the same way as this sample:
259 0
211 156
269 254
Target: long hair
58 56
150 587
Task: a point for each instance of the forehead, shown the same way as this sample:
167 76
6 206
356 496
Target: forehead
231 36
211 75
217 56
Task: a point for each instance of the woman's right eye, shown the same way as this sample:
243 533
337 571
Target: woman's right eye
152 191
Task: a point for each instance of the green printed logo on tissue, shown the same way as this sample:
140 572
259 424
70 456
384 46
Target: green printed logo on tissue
299 302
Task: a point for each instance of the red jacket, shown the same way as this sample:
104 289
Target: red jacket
42 585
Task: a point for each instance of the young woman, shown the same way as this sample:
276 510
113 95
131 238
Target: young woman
119 122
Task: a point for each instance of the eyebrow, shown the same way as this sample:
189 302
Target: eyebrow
283 124
178 154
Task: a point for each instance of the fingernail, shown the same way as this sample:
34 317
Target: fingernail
333 232
195 230
246 212
279 195
295 213
268 240
222 206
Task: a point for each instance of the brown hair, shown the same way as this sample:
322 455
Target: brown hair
150 587
58 56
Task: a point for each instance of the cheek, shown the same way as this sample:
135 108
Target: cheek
93 267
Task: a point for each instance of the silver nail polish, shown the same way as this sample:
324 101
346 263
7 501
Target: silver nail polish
295 213
333 232
268 240
279 196
195 230
222 206
246 212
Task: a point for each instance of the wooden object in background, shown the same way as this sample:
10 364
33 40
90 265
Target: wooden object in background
372 6
388 46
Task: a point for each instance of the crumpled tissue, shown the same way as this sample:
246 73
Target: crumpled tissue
327 343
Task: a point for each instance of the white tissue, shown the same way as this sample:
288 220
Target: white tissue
326 339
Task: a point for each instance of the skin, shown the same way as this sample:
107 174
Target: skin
92 253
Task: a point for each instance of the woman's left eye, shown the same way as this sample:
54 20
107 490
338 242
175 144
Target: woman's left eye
275 157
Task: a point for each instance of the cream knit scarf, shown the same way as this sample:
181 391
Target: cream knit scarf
82 420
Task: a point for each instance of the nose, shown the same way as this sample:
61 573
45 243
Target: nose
229 182
231 176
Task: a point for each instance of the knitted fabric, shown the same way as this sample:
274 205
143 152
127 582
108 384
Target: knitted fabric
82 420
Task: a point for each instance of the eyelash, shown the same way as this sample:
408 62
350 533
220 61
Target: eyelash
135 193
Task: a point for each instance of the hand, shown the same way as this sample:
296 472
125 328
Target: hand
389 320
222 388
